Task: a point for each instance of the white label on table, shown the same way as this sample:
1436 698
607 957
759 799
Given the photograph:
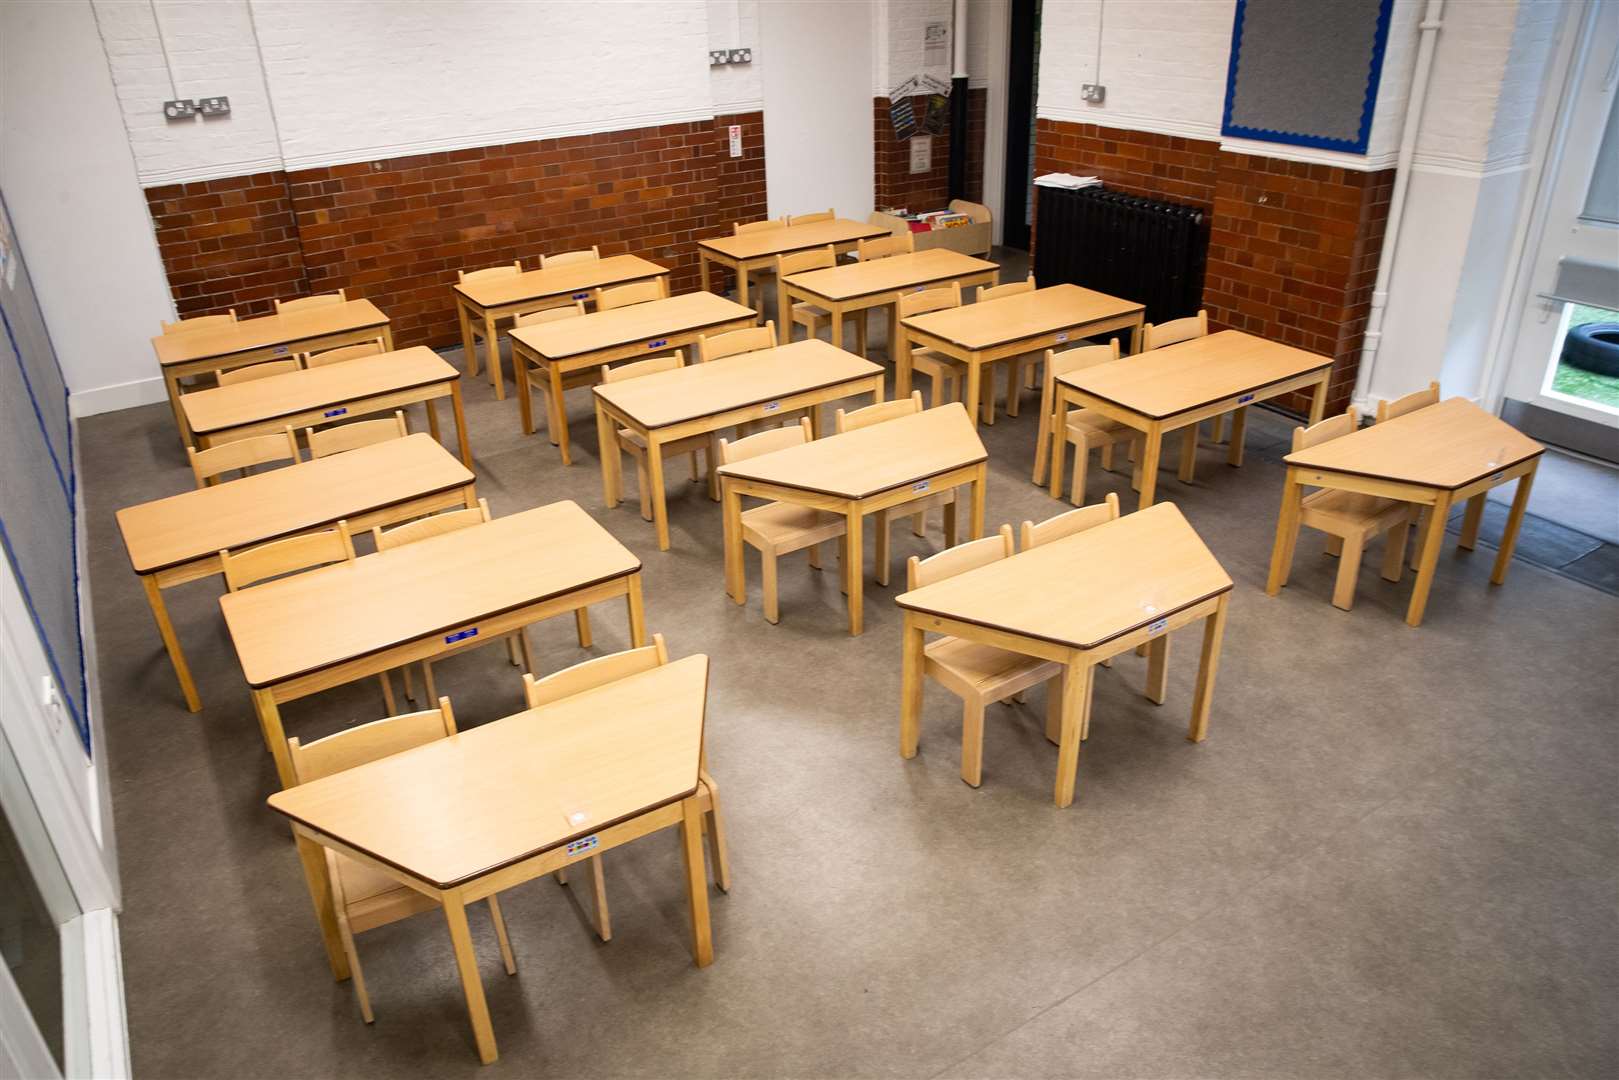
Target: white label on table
920 485
1245 399
1157 627
335 412
772 406
584 844
460 635
1062 337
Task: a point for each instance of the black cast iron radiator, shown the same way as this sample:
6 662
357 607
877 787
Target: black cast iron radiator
1123 245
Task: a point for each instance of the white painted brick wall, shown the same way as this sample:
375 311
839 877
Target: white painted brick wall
734 24
1523 82
1469 63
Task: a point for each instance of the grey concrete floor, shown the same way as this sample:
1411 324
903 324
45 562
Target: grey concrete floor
1395 855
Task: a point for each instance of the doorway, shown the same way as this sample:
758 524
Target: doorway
1022 75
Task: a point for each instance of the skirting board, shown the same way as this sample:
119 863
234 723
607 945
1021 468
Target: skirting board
126 395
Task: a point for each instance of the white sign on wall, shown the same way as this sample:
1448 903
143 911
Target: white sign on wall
736 140
921 153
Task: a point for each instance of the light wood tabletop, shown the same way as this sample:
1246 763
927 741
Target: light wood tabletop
561 348
1078 601
251 341
346 621
484 810
178 539
1179 386
312 396
490 300
700 398
980 334
758 250
855 287
1435 457
858 473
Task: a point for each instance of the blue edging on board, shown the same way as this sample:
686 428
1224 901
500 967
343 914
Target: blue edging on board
1374 75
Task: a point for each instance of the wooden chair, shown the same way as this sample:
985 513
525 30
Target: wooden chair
1070 522
805 314
365 898
882 247
488 273
325 357
810 219
779 528
517 645
1351 518
631 442
636 292
1420 399
735 342
243 454
1173 333
335 440
758 275
538 381
256 371
980 674
304 303
598 672
568 258
945 374
917 511
1016 366
550 314
306 551
1085 429
200 322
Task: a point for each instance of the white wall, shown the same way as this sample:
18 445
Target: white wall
70 182
818 120
899 43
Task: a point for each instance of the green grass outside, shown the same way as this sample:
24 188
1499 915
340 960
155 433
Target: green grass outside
1602 389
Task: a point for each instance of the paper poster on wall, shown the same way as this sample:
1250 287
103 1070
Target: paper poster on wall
937 121
903 118
935 43
922 154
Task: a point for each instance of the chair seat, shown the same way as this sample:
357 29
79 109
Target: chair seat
932 362
787 527
571 380
1351 511
1095 422
809 313
634 439
969 667
371 897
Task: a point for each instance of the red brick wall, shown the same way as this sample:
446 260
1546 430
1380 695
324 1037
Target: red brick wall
1293 247
897 186
396 231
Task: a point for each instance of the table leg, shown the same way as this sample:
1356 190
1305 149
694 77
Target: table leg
1318 402
275 737
313 858
1154 438
980 491
975 376
557 423
836 316
171 642
1076 700
1509 538
731 513
702 270
902 367
637 606
1057 433
171 383
607 445
854 569
1287 533
581 626
1135 333
466 962
1471 519
742 283
784 321
469 347
1208 664
460 423
910 702
1188 468
430 407
525 396
491 343
654 477
1239 431
691 857
1433 538
1158 669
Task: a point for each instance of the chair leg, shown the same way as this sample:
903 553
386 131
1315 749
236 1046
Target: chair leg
1082 460
1218 428
501 936
528 650
1107 457
860 333
410 684
598 896
356 973
718 851
511 652
1042 441
767 563
696 473
972 741
1343 593
1014 385
1335 545
843 561
387 693
427 678
952 529
644 488
814 551
710 461
882 552
1394 552
1054 711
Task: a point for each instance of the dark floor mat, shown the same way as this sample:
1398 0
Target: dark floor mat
1551 546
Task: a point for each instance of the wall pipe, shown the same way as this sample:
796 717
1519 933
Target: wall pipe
958 103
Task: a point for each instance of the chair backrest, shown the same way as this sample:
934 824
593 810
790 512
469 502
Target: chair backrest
593 673
335 440
959 559
564 258
1175 331
809 219
735 342
883 246
369 742
920 303
303 552
878 413
304 303
636 292
432 525
199 322
489 273
765 442
241 454
257 371
1011 288
1071 522
1333 427
344 352
740 227
800 261
550 314
1420 399
650 366
1075 359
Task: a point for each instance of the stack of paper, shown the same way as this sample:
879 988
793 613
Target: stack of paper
1067 180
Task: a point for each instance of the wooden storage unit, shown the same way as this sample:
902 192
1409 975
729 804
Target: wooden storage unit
971 239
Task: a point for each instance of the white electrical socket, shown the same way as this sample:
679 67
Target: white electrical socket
1095 93
52 701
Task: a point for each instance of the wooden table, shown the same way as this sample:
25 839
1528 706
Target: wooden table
488 809
700 398
270 337
344 622
1434 457
758 250
175 540
1078 601
371 384
847 290
487 302
569 345
981 334
858 473
1178 386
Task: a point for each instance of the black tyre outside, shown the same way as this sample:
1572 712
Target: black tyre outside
1593 347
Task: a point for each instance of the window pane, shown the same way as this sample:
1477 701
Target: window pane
30 937
1602 201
